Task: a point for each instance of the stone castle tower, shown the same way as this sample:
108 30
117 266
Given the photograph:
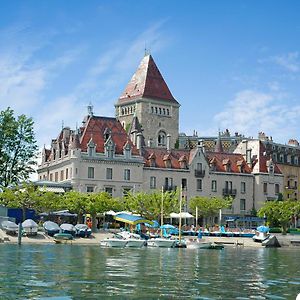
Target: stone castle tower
147 106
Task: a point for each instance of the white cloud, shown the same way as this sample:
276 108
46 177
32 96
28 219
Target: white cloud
252 111
289 61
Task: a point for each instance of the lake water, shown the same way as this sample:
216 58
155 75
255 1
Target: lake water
90 272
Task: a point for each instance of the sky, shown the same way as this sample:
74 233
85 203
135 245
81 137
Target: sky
230 64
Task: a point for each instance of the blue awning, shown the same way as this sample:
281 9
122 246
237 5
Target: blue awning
131 219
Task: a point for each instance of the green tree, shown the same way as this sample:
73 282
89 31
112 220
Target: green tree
149 205
18 148
209 206
280 213
23 197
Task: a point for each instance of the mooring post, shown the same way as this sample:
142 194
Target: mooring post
20 234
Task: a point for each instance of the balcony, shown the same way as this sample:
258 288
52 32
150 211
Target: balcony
199 173
289 187
229 192
170 188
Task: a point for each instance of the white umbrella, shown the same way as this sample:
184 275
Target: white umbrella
183 215
110 212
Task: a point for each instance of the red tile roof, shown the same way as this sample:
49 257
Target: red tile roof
161 155
262 160
148 82
220 161
96 127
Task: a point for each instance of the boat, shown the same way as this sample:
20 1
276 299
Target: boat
133 240
113 242
30 228
259 237
62 237
271 241
9 227
215 246
161 242
68 228
197 244
51 228
82 230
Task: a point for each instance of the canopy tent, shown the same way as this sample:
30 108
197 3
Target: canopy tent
131 219
155 224
183 215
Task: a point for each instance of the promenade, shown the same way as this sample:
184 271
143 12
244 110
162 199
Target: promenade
42 238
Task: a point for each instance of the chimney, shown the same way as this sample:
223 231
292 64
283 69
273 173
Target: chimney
168 142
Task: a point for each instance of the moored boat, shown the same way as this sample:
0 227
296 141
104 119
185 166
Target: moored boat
62 237
68 228
133 240
197 244
82 230
113 242
9 227
161 242
30 227
51 228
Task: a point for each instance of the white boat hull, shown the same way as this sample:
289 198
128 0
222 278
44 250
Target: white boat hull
135 243
161 242
198 245
114 243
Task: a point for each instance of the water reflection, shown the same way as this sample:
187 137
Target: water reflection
90 272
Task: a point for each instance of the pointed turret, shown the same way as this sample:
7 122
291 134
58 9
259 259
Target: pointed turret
147 82
219 147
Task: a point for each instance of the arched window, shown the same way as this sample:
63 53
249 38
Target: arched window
161 138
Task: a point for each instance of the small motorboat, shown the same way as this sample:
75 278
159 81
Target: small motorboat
68 228
161 242
197 244
62 237
30 228
51 228
259 237
133 240
9 227
82 230
114 242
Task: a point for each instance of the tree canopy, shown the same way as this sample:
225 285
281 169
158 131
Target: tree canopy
280 213
18 148
149 205
209 206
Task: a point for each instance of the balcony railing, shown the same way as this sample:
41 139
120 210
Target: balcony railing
289 187
199 173
229 192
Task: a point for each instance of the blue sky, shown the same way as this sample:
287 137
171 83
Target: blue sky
231 64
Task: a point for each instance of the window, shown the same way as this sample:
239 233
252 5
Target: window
199 184
248 156
199 166
168 183
90 172
243 205
276 188
67 173
61 175
126 174
184 183
89 189
161 139
56 176
214 185
51 177
109 190
109 173
265 188
152 182
228 185
243 187
126 191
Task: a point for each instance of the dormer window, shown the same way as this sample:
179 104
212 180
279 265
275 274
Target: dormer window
213 164
151 159
241 166
183 162
270 167
227 164
109 148
167 161
127 150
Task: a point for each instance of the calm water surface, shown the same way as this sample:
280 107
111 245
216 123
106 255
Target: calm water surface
90 272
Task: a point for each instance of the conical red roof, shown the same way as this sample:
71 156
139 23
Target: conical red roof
148 82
